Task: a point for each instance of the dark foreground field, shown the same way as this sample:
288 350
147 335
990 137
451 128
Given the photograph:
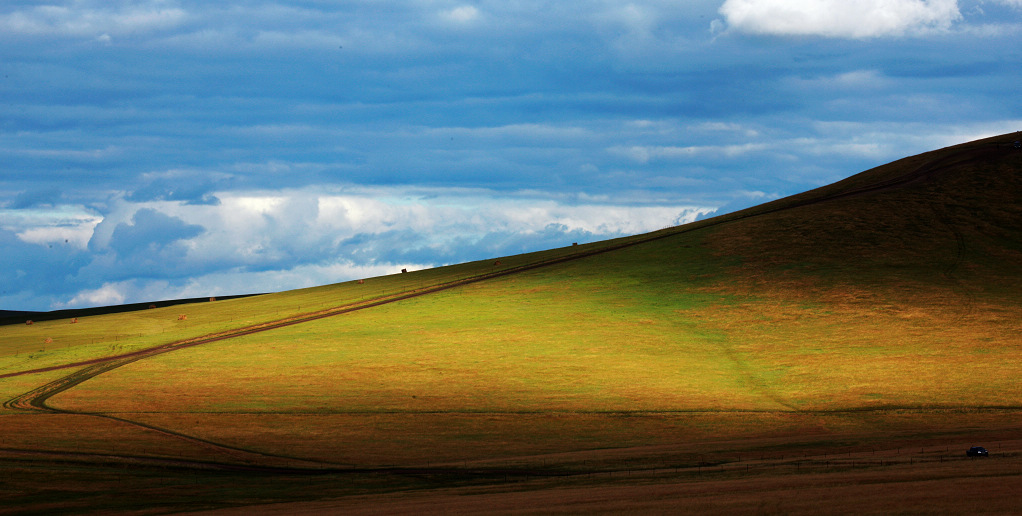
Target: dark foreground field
786 475
835 351
859 484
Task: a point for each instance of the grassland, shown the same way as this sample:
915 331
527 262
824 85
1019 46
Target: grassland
879 313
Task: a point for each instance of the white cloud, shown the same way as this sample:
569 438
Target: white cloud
840 18
438 214
648 153
464 14
717 127
230 282
97 20
637 20
602 219
302 276
868 146
988 30
108 294
77 236
880 142
309 39
532 132
968 132
856 81
78 154
61 225
264 241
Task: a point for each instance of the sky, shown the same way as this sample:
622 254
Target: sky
162 149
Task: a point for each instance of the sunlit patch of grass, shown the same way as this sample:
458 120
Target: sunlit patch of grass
843 359
606 336
24 347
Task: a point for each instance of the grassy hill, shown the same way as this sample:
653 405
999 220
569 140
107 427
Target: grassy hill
881 310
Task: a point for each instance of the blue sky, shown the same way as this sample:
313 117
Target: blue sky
162 149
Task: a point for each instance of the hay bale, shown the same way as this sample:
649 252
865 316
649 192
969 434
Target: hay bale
29 322
182 317
48 340
74 320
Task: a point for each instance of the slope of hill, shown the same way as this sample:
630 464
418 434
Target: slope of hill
947 214
856 316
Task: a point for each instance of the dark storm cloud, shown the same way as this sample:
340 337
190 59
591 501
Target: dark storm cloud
151 231
189 188
49 196
31 271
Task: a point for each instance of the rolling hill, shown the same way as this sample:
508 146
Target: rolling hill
880 312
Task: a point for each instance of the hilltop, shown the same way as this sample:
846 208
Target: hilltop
950 214
878 313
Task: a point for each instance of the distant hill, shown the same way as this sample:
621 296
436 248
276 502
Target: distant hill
19 317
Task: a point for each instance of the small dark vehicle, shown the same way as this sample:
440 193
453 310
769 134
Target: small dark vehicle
977 451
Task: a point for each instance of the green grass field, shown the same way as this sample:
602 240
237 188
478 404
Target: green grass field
881 312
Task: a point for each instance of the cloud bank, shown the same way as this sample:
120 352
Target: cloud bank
95 19
262 241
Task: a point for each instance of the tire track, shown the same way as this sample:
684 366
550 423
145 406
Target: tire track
161 462
35 400
950 271
754 383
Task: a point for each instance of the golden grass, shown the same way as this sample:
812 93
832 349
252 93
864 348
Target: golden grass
451 371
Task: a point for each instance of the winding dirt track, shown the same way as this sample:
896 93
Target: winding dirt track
35 400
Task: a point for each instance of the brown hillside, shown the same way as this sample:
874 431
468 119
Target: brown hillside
950 219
